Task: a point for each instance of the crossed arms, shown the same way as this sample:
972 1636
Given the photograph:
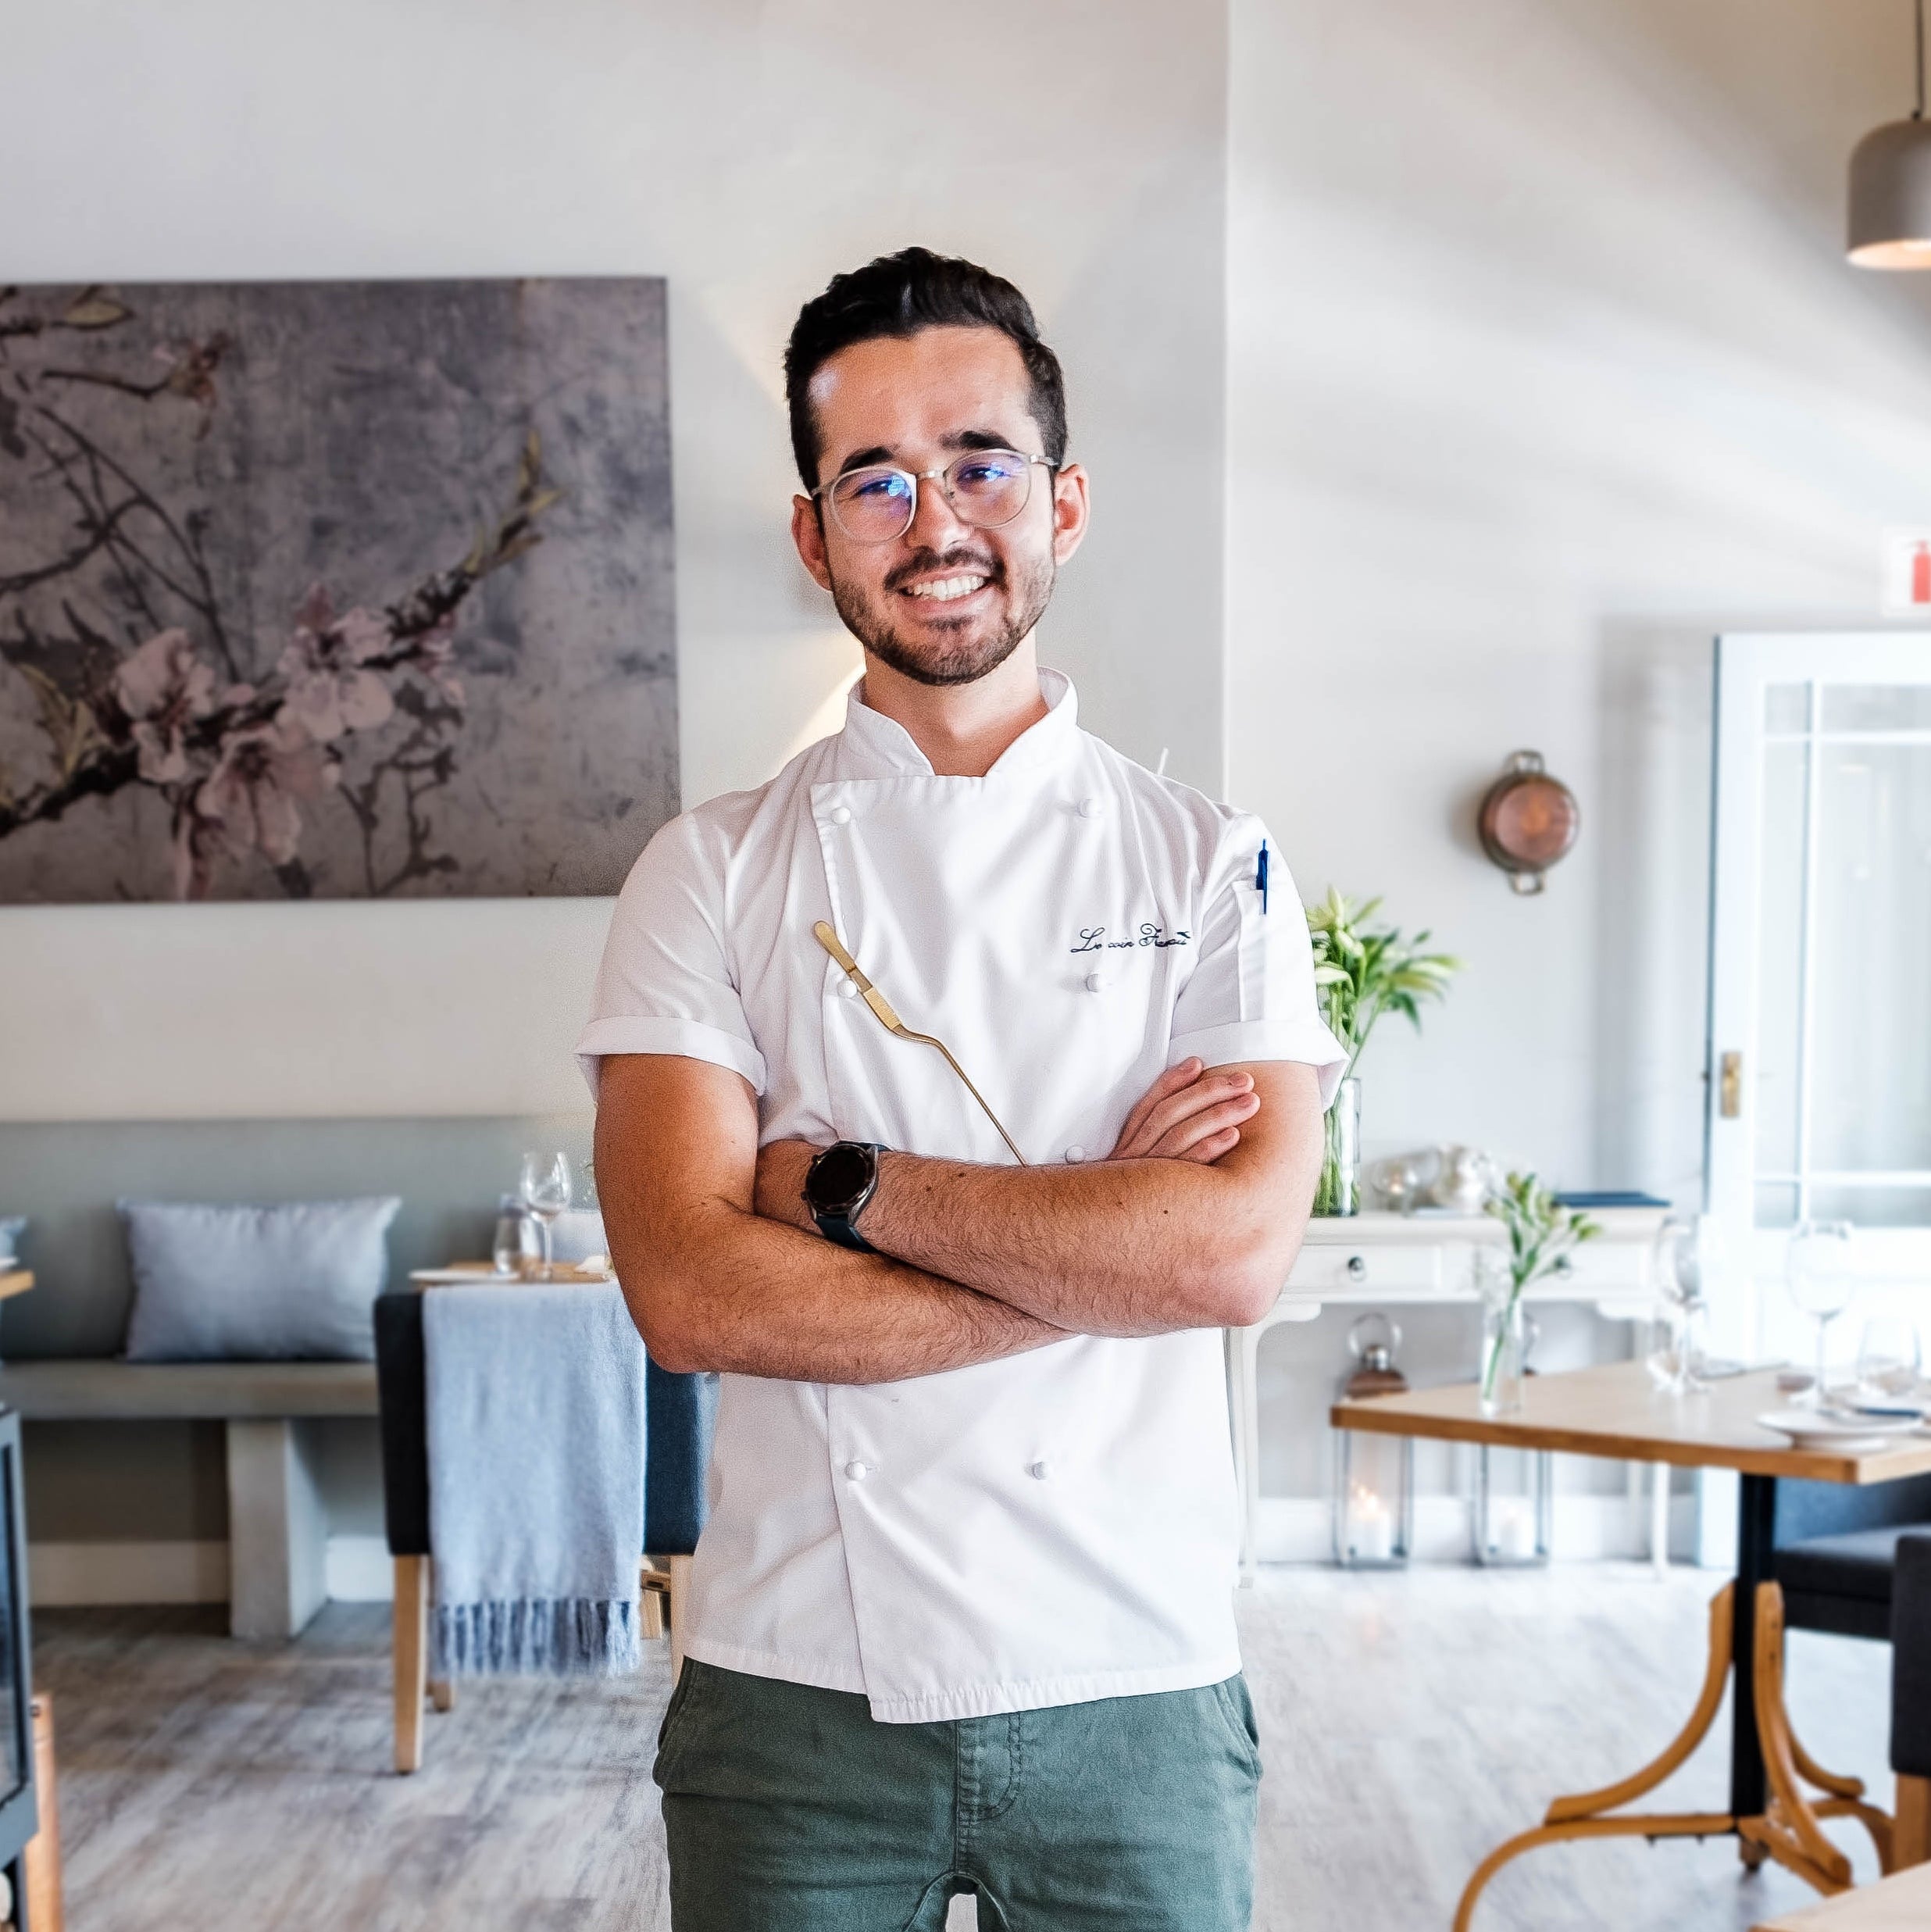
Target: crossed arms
1191 1222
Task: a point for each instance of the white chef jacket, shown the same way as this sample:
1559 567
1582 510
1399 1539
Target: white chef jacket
1060 1525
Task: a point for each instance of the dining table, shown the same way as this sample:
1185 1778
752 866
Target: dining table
1618 1411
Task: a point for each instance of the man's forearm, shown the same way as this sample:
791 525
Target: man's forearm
1120 1247
712 1284
772 1301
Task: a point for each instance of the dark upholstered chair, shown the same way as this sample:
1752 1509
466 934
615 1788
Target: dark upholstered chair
676 1451
1856 1561
1911 1696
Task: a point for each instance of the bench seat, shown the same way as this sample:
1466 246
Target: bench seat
191 1391
277 1527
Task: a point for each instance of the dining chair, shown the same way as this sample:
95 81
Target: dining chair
1911 1698
1848 1561
678 1411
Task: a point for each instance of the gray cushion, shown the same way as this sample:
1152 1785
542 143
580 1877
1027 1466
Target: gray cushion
293 1282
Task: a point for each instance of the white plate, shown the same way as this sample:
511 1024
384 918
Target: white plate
1846 1435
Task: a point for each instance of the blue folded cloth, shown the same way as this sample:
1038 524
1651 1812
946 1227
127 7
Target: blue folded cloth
535 1399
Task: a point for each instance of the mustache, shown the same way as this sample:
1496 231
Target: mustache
923 561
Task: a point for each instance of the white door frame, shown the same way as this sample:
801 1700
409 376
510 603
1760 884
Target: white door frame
1746 666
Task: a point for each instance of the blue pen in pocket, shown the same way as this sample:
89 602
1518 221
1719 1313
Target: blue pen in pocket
1260 876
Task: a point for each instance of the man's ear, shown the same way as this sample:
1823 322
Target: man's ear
1070 510
808 534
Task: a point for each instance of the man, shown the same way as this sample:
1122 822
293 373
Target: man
961 1616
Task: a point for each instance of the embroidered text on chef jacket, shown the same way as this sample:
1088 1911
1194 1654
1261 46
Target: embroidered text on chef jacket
1056 1526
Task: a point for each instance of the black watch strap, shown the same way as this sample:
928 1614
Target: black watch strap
834 1228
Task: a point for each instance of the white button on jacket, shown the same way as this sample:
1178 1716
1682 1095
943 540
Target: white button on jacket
957 1581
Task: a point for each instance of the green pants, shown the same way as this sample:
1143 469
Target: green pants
790 1809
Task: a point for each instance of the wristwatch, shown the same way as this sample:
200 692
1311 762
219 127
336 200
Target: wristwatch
837 1185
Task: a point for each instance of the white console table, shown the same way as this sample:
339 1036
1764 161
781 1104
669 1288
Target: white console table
1391 1260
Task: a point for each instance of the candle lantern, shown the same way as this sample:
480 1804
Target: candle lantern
1514 1496
1374 1475
1513 1506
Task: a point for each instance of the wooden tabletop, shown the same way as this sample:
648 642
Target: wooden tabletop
15 1281
1617 1411
1900 1903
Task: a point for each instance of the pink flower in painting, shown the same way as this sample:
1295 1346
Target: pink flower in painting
254 793
164 688
329 692
435 649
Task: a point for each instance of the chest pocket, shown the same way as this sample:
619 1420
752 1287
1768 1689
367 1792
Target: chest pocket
1027 936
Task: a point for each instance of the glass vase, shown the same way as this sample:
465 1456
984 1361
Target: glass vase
1504 1334
1339 1190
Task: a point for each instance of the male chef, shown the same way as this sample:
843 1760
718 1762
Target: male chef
960 1620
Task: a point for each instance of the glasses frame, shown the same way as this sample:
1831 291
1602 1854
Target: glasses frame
823 493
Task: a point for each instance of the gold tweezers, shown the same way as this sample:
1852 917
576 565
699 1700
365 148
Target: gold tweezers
829 939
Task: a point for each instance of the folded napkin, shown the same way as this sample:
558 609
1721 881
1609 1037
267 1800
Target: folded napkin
535 1394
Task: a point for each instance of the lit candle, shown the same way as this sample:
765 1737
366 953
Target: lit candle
1515 1533
1373 1531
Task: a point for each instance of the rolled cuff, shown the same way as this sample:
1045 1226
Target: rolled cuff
1305 1040
687 1039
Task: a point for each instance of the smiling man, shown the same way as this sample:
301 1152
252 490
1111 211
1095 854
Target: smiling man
962 1617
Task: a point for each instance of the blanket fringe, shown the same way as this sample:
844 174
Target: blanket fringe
563 1637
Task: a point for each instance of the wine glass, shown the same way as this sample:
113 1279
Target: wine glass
1816 1270
545 1188
1888 1360
1677 1325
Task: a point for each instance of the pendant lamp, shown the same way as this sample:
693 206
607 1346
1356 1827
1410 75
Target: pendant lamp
1890 187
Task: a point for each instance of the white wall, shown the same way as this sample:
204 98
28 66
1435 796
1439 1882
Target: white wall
746 151
1544 366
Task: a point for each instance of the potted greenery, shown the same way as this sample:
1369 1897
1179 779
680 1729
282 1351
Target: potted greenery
1541 1234
1359 974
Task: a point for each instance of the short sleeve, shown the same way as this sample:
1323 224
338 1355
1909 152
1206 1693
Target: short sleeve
665 984
1250 996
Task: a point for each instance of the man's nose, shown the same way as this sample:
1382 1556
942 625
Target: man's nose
935 524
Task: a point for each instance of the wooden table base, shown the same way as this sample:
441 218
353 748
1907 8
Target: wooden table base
1788 1831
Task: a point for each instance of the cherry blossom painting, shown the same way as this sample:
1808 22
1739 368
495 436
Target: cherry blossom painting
333 590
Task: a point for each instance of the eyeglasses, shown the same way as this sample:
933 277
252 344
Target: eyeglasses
986 487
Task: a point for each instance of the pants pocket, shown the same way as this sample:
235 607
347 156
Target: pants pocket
674 1711
1237 1713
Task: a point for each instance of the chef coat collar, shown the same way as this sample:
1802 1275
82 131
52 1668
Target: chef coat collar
872 745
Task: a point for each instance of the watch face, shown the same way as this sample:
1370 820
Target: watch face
838 1177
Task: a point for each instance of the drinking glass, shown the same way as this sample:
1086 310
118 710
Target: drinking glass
546 1193
1888 1360
1816 1270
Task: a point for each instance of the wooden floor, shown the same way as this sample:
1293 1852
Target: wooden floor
1409 1722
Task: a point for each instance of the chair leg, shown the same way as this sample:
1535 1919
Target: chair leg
680 1595
442 1693
1910 1834
46 1909
410 1648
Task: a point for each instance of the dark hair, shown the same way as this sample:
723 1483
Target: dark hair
898 295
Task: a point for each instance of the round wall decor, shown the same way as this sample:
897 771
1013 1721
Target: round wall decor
1528 821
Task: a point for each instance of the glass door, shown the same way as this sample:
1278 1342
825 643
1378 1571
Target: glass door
1820 977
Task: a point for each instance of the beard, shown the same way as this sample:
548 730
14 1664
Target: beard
980 645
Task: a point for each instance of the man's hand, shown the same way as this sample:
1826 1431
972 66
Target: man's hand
1187 1114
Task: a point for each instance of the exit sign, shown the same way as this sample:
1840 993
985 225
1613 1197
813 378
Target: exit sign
1908 572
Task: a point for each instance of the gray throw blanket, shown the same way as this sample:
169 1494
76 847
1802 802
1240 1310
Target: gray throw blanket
535 1400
